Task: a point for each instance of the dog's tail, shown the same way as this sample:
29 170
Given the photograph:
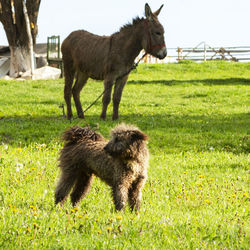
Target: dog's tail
76 134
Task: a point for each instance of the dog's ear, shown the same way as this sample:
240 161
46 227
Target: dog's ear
138 135
115 147
107 148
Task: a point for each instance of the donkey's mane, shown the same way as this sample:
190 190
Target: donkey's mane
135 21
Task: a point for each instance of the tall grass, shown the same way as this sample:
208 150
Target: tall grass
197 193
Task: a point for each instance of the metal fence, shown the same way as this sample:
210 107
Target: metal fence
204 52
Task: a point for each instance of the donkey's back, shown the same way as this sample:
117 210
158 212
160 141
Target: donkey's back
86 53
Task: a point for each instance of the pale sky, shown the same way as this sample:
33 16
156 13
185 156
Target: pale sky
219 23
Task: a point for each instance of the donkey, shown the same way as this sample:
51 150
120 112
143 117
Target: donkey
108 58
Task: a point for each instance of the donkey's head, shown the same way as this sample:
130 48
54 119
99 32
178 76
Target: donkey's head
153 40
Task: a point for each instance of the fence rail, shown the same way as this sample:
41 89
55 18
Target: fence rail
204 52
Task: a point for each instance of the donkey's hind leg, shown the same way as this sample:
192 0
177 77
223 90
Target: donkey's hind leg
81 80
69 73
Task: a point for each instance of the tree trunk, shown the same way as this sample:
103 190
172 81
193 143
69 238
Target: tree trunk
30 40
13 20
20 60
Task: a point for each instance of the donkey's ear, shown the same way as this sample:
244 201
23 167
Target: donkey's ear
148 12
156 13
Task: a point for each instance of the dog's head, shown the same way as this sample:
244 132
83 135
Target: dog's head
127 142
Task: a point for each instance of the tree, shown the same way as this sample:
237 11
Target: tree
14 23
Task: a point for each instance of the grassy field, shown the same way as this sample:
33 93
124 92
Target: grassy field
197 195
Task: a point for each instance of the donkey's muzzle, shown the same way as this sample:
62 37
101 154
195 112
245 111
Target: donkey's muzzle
162 53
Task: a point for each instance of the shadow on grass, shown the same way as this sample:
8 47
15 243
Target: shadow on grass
169 133
209 81
23 130
34 102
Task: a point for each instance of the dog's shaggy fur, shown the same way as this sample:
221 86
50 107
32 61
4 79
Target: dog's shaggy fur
121 162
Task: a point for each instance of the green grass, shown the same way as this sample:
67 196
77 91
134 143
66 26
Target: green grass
197 117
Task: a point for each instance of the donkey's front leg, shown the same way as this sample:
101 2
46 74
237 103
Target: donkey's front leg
119 85
79 84
108 83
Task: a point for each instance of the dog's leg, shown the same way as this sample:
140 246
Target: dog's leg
64 185
134 196
81 188
120 196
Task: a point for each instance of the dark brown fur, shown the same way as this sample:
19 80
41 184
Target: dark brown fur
121 162
108 57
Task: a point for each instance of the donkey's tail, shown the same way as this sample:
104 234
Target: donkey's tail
76 134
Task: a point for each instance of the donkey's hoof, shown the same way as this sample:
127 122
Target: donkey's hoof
81 116
114 117
103 117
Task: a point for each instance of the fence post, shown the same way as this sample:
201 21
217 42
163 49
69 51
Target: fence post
205 52
179 54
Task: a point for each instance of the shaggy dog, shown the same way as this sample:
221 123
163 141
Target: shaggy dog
121 162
